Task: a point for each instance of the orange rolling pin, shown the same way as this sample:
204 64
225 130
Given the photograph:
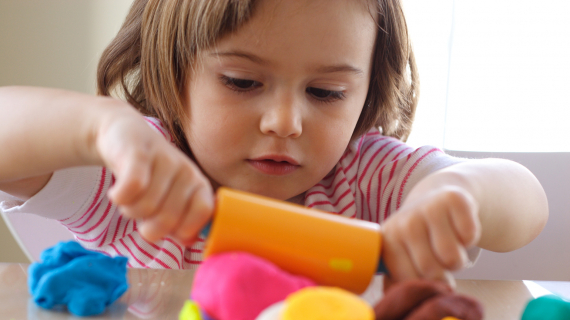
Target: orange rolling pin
330 249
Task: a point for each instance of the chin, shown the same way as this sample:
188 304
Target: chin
266 191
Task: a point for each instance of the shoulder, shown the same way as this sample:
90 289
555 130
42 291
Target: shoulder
373 175
375 149
370 148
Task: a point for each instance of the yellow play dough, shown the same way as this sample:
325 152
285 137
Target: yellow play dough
190 311
326 303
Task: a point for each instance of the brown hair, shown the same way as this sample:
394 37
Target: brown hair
149 60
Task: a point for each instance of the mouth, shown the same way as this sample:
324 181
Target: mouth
274 165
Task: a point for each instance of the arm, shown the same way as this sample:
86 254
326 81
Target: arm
43 130
495 204
512 205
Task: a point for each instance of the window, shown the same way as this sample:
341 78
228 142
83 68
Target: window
495 74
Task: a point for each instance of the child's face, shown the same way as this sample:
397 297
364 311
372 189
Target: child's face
273 106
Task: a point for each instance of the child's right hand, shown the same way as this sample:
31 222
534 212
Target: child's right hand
155 181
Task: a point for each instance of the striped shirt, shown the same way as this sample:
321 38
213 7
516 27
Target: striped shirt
370 182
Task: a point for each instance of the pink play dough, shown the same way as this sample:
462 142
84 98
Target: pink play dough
239 285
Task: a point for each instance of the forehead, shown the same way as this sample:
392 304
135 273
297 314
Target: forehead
309 31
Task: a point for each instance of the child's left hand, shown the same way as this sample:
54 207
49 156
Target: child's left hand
430 234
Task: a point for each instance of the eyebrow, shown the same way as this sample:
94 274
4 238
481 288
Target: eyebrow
239 54
345 68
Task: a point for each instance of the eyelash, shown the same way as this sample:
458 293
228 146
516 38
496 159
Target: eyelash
331 97
231 84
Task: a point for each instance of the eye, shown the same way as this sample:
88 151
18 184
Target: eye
325 95
240 84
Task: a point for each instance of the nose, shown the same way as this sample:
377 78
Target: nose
282 118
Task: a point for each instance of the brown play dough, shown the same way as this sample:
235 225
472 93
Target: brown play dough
450 305
426 300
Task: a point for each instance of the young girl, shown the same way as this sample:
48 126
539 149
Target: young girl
306 101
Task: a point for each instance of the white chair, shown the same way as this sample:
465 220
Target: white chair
34 233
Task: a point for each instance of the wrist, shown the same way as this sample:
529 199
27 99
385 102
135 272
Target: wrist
99 118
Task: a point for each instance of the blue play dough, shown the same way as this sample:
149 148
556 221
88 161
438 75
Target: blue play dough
85 281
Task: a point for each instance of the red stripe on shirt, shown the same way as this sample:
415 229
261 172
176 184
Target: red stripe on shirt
394 165
132 254
163 250
176 245
401 191
192 261
95 200
387 207
109 205
379 194
356 155
369 186
143 251
94 239
318 203
104 237
337 172
399 153
117 228
157 127
328 201
366 167
338 184
126 227
346 207
119 254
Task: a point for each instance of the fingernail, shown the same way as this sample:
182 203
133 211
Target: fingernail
464 259
111 194
207 197
450 279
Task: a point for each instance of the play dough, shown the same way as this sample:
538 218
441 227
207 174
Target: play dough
239 285
84 281
442 306
426 300
326 303
273 312
549 307
190 311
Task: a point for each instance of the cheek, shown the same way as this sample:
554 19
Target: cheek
332 136
216 130
205 121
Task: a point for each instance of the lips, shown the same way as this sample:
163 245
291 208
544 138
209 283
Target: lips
274 165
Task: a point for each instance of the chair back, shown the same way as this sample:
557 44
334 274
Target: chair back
34 233
547 257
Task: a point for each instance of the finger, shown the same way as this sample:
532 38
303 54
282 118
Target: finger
449 279
169 215
421 252
199 211
464 218
394 252
444 242
163 174
132 180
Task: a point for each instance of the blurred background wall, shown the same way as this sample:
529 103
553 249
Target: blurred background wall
54 43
